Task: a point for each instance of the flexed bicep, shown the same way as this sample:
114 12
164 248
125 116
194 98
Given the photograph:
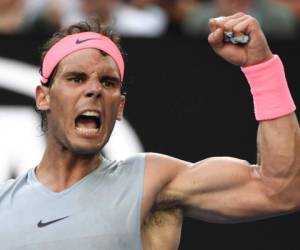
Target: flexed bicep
224 189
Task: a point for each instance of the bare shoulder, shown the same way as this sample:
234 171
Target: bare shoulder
160 170
162 217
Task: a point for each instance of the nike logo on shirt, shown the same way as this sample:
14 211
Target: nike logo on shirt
44 224
85 40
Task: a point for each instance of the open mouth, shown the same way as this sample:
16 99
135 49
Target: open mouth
88 122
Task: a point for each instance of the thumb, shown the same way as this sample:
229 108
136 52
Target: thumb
216 38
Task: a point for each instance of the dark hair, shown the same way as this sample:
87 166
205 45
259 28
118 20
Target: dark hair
92 24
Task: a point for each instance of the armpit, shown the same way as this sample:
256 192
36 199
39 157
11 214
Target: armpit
164 217
162 229
166 201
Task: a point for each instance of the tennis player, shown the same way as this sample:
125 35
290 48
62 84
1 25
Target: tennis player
77 199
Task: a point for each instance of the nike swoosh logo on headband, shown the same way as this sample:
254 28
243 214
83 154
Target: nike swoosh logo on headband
85 40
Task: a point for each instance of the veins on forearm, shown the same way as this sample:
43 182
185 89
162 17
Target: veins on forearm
277 146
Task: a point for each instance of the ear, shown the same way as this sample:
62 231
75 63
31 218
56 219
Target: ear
121 108
42 98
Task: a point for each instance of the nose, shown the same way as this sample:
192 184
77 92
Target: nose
93 88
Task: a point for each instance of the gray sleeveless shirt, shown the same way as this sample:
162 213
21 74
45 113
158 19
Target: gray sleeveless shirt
101 211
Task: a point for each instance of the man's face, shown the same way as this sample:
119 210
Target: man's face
84 102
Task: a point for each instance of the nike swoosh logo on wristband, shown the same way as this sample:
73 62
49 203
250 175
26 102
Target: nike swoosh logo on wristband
44 224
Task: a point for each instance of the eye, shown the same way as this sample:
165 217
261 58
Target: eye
76 79
110 83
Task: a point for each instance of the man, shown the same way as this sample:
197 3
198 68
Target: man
77 199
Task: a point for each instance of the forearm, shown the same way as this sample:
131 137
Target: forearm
278 144
278 132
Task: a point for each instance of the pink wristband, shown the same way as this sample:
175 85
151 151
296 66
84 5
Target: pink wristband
269 88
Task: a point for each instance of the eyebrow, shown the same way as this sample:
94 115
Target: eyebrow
112 78
83 74
74 73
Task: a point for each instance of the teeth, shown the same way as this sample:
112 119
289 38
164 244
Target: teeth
90 113
88 130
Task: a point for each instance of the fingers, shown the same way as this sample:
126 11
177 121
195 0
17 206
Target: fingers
212 24
231 24
245 26
216 38
218 22
239 24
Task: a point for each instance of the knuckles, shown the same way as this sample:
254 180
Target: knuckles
230 23
228 26
240 13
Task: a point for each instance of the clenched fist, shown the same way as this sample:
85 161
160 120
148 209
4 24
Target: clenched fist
255 51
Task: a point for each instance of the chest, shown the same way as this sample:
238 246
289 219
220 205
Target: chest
85 221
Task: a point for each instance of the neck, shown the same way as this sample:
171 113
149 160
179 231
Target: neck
60 168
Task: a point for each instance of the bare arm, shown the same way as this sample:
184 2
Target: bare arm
278 148
224 189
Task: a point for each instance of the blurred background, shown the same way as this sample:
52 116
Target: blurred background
146 18
183 100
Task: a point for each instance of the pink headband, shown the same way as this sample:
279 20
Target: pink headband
78 41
